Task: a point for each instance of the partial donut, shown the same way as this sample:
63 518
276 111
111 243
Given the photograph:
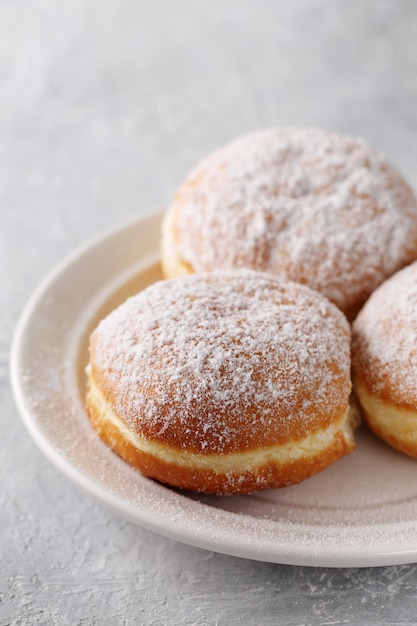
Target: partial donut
223 383
315 207
384 354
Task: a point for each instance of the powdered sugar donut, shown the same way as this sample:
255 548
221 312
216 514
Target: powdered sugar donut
312 206
223 383
384 352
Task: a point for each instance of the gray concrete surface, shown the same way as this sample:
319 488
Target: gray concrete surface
104 106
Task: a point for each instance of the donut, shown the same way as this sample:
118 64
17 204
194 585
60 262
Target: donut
384 360
315 207
224 382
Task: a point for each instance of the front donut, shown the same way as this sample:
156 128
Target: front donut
223 383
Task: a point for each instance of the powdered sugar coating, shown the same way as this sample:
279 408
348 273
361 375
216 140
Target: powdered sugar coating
316 207
222 362
384 343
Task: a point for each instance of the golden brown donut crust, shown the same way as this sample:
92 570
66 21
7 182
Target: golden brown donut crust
220 364
315 207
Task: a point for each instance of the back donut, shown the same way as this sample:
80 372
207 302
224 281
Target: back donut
319 208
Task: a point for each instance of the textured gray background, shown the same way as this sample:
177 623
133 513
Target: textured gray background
104 106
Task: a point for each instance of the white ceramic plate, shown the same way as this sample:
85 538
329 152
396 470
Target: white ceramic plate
360 512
